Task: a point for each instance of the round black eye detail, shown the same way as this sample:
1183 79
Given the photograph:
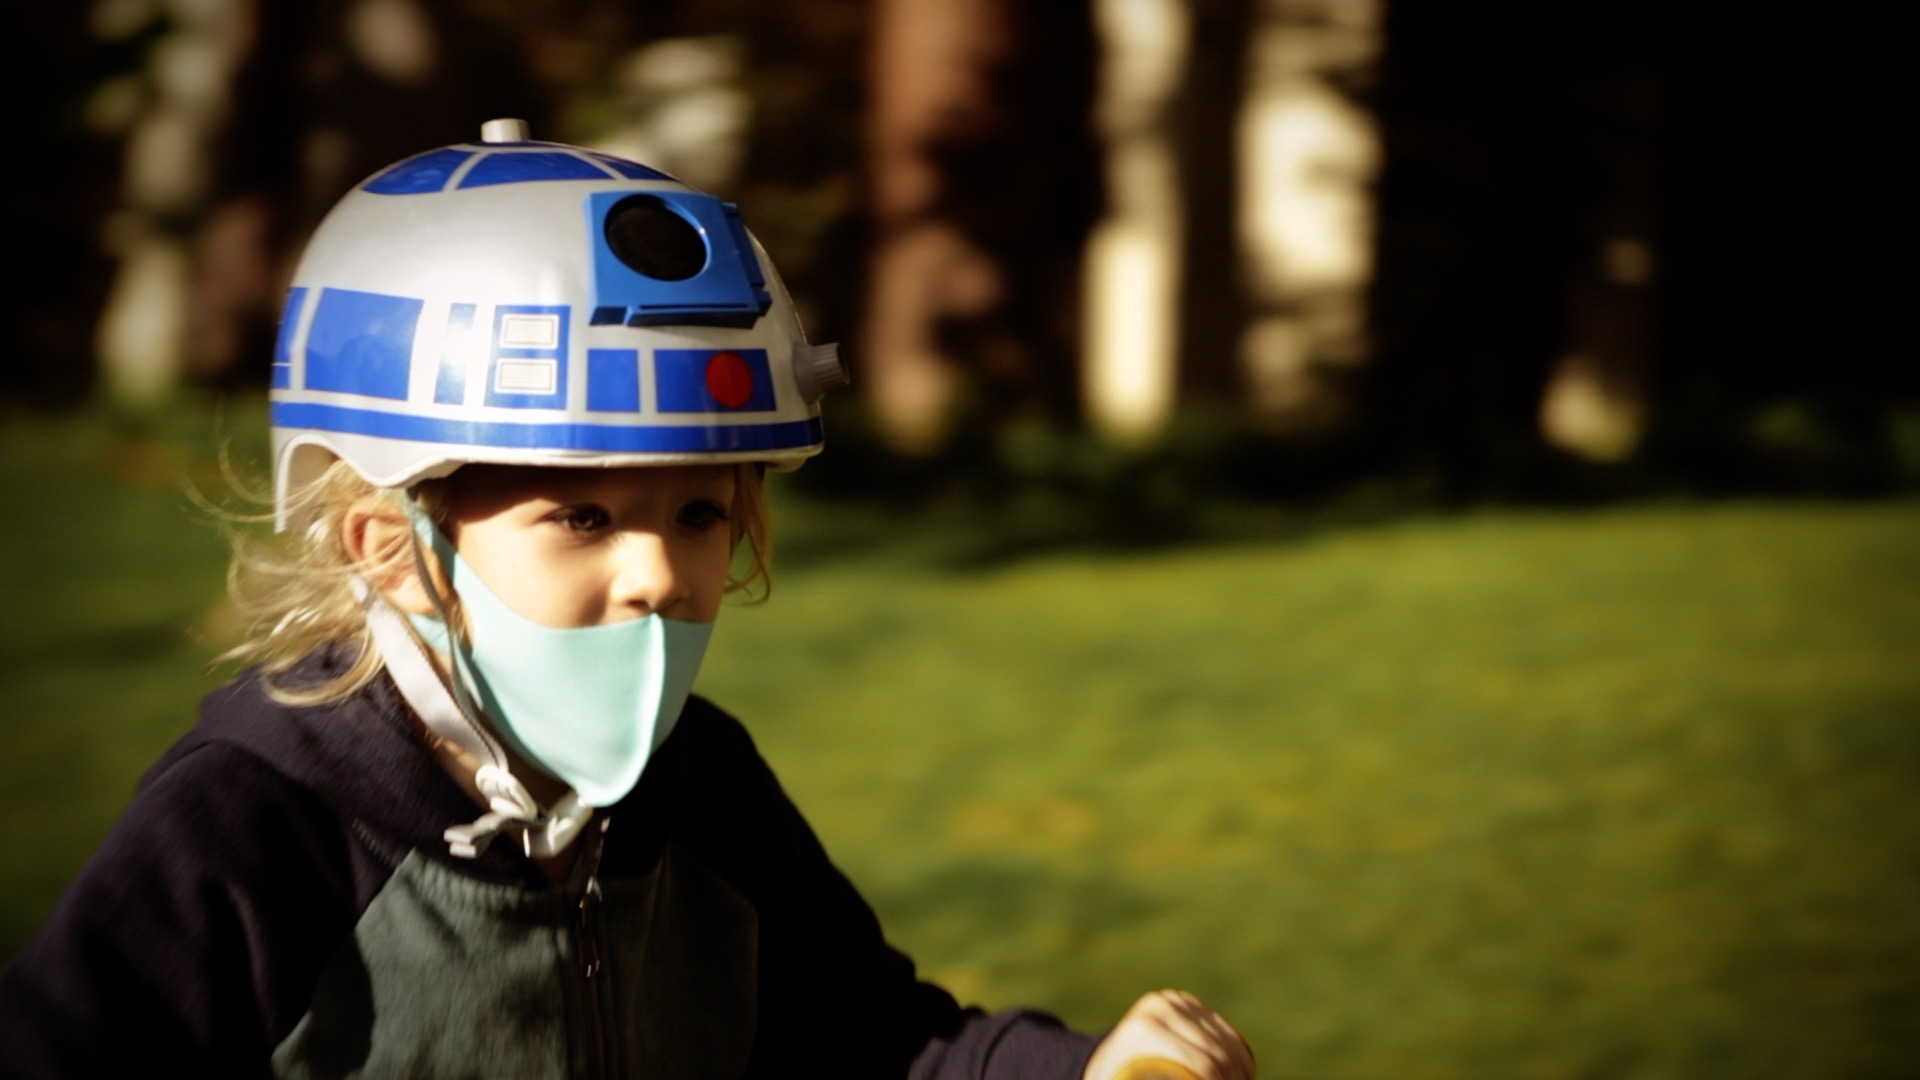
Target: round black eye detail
647 235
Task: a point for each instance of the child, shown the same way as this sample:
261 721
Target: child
464 818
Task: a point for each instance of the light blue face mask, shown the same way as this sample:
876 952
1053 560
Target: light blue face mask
588 705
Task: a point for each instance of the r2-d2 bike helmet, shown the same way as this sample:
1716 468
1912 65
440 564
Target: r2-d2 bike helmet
533 303
530 303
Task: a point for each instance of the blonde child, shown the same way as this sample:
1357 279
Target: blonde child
464 817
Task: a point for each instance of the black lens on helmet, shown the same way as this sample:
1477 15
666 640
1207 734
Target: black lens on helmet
652 239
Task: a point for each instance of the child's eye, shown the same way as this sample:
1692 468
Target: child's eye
703 515
581 519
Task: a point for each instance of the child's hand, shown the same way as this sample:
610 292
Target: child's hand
1178 1027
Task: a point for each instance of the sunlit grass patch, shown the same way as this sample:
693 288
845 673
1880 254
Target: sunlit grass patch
1624 793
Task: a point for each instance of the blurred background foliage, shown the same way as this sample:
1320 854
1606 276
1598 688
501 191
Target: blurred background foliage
1396 516
1590 249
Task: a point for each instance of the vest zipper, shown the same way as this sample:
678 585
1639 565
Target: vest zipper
587 940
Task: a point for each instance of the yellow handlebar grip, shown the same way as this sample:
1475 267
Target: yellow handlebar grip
1154 1068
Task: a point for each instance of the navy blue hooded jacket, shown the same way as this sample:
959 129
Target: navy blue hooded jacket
278 901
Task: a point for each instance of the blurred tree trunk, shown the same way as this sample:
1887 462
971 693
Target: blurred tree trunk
172 114
980 173
1308 159
243 123
1239 172
1212 294
1133 257
931 61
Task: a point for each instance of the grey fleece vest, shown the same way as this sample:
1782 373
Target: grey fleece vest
449 977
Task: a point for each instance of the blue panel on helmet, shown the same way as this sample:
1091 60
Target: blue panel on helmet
613 380
362 343
282 376
539 165
654 439
456 355
729 291
427 172
712 380
527 367
632 170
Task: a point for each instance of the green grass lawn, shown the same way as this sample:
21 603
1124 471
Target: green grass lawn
1628 793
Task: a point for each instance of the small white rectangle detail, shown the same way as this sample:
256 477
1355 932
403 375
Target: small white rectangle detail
530 331
526 377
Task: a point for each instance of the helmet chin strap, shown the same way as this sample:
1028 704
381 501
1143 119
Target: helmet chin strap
453 716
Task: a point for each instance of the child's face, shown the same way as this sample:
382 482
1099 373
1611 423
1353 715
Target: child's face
585 547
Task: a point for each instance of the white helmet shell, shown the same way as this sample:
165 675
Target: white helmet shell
534 303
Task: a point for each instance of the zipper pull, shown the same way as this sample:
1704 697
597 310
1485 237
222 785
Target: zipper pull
589 940
589 904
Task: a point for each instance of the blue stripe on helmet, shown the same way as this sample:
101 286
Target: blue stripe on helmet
517 168
419 174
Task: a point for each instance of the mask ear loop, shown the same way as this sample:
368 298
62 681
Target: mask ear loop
454 716
463 675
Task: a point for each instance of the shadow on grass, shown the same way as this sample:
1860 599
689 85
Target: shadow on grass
965 522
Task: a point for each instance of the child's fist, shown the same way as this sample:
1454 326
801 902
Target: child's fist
1176 1027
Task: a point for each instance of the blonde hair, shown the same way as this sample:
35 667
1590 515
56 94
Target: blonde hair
294 594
